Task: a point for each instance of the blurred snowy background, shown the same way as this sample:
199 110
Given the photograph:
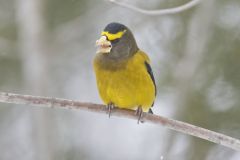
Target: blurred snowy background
47 48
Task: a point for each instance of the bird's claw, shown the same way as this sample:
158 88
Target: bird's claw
139 113
110 107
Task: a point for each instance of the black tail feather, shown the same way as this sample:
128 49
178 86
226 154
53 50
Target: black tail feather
150 111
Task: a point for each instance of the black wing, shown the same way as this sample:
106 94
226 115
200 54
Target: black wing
149 70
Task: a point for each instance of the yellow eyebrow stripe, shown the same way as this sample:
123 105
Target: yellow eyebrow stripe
113 36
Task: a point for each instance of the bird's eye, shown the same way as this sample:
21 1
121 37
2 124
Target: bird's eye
115 41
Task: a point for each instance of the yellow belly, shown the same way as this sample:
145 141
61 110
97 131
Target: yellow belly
128 87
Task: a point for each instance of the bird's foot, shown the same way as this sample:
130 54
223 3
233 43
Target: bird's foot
139 113
110 107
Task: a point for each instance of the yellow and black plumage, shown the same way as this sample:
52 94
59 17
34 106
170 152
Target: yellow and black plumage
123 73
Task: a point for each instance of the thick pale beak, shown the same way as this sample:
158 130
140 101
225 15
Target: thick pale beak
104 46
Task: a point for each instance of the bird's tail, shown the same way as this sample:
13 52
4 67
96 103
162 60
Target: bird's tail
150 111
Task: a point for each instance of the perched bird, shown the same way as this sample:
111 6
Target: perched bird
123 72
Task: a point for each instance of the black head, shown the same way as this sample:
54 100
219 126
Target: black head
117 41
115 28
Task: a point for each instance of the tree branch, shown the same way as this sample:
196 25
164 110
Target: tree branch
98 108
158 12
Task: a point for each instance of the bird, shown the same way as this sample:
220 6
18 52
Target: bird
123 73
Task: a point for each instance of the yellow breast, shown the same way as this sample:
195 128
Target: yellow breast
127 86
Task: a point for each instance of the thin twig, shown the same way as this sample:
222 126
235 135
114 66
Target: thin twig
158 12
150 118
